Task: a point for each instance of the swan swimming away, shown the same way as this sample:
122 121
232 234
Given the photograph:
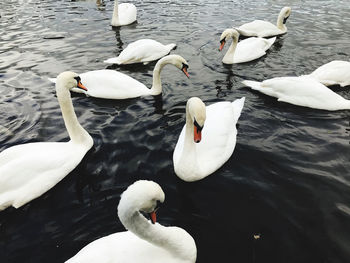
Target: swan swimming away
262 28
110 84
145 241
246 50
336 72
208 138
29 170
143 50
123 14
302 91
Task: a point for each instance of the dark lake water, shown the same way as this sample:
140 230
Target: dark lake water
287 180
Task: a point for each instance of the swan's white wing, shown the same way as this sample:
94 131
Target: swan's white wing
302 91
142 50
333 73
259 28
110 84
127 13
251 49
218 135
29 170
123 247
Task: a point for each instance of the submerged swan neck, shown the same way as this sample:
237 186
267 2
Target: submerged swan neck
228 58
157 83
76 132
115 16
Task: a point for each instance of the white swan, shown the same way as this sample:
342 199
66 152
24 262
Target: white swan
144 242
336 72
143 50
110 84
262 28
123 14
302 91
246 50
207 140
29 170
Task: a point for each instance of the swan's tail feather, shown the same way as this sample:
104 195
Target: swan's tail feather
237 107
271 41
252 84
171 46
5 201
113 61
53 80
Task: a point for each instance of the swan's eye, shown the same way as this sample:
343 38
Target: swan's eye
184 66
222 41
199 128
77 78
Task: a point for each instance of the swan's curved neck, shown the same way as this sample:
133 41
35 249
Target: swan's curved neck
280 24
228 58
76 132
189 143
157 83
156 234
115 16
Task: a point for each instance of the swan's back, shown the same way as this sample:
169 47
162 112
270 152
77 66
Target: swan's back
333 73
112 84
143 50
252 48
303 91
124 247
259 28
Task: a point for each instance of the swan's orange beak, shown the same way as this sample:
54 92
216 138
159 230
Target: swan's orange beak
153 216
197 135
184 69
81 86
222 44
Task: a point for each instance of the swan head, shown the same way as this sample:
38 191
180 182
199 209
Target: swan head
197 112
178 62
70 80
226 35
142 196
285 12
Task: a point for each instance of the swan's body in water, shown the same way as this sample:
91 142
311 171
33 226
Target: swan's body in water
336 72
145 242
262 28
110 84
123 14
302 91
208 139
245 50
141 51
29 170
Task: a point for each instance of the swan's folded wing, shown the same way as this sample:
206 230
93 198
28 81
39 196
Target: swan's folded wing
258 28
142 50
218 137
110 84
29 170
